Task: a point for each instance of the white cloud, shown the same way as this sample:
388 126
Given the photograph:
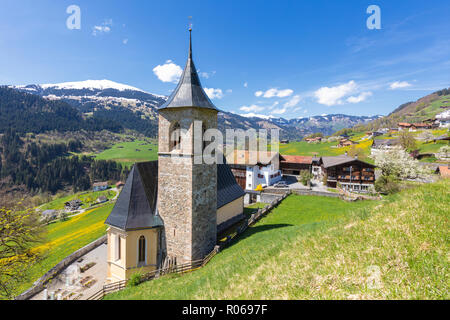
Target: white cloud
293 101
252 108
330 96
206 75
399 85
245 84
125 41
357 99
214 93
229 91
168 72
279 111
273 92
105 27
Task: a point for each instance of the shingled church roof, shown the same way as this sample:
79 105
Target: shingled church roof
136 207
189 92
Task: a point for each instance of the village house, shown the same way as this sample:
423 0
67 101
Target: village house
422 126
352 174
380 144
443 119
120 184
316 168
73 205
404 126
293 165
444 171
346 143
102 199
100 186
49 215
313 140
260 168
170 210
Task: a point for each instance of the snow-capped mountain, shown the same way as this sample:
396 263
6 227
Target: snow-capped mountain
136 108
97 95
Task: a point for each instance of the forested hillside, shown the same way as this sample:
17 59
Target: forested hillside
49 168
25 112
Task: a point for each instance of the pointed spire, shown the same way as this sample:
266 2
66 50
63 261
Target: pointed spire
190 43
189 91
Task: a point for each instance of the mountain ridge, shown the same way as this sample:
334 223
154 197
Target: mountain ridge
116 101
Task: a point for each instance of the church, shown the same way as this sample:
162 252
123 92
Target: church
170 210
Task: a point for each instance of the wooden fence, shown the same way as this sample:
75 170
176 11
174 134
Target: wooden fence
182 268
193 265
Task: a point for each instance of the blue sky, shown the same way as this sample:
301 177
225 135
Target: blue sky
280 58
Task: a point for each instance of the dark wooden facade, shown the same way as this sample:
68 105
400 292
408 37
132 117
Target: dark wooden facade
352 175
293 165
240 174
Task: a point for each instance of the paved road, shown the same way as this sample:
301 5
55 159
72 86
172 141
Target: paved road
96 274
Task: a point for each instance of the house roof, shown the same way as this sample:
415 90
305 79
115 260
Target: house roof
342 159
245 157
404 124
298 159
442 138
444 171
227 188
189 91
385 142
100 184
136 207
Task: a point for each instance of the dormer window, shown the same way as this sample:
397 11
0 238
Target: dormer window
175 137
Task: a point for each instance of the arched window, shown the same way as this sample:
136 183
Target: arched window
142 250
175 136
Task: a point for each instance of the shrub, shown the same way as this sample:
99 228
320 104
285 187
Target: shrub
135 280
305 177
387 185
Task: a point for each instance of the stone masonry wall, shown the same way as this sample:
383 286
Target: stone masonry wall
187 192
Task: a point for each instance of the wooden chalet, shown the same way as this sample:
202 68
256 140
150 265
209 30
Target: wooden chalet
293 165
352 174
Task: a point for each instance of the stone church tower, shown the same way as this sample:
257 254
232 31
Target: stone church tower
187 192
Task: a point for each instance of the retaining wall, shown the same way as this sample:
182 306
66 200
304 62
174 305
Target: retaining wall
38 286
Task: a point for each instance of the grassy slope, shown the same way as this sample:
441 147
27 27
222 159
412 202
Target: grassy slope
324 149
64 238
271 236
88 198
126 152
322 248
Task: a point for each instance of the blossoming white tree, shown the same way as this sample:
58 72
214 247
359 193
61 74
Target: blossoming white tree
398 163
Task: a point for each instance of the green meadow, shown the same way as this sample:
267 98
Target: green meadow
323 248
88 199
127 153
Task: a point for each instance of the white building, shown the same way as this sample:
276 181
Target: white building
261 168
444 119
